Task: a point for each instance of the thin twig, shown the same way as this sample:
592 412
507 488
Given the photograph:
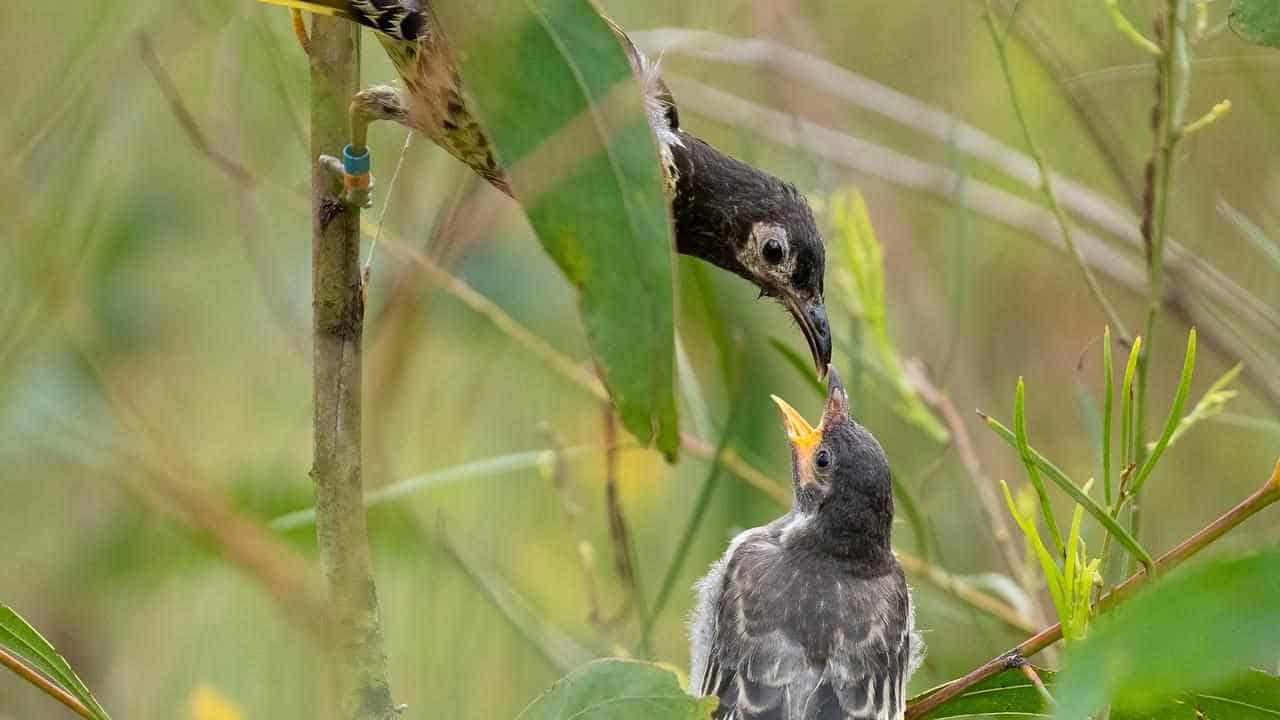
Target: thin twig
46 685
1247 508
238 172
624 553
936 398
1172 89
1046 179
1029 671
338 324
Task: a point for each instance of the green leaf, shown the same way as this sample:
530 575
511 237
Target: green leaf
554 91
619 690
1196 631
1107 402
19 639
1005 693
1175 414
1024 452
1066 485
1257 21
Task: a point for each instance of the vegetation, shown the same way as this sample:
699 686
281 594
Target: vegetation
557 425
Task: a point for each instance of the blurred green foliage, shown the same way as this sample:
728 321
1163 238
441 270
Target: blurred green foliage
138 282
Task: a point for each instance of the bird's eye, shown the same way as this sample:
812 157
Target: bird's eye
774 251
823 460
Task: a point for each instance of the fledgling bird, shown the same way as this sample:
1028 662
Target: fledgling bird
725 212
810 617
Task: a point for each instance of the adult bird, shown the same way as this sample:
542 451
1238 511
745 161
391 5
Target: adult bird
810 617
726 212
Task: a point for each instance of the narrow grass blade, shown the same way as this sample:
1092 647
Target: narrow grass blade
802 365
1268 247
1106 414
1175 413
553 643
1052 575
18 637
1024 451
694 523
466 471
1062 481
1127 450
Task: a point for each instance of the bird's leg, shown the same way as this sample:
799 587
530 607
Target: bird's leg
379 102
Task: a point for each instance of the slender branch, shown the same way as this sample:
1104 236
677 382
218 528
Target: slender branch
1029 671
936 398
338 316
46 685
1046 179
1172 89
1247 508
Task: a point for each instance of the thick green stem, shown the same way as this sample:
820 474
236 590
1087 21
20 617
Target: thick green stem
338 316
1013 658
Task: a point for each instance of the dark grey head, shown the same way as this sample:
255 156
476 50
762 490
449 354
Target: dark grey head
841 475
757 226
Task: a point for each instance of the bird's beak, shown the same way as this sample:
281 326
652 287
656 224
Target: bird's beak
800 433
812 318
837 407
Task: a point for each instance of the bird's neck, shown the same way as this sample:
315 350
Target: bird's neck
858 534
712 198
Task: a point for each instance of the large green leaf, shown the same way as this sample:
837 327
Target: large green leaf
1008 693
19 639
1193 632
1257 21
552 86
619 690
1256 696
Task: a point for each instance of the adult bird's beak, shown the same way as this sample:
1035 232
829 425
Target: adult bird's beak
812 318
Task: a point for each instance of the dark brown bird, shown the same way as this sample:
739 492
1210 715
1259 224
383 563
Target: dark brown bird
725 212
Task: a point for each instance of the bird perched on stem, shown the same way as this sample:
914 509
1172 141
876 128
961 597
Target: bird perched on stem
810 617
725 212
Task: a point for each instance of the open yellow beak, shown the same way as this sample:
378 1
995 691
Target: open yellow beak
803 436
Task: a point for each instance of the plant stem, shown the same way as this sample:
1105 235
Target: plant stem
1172 87
1247 508
46 685
338 317
1046 180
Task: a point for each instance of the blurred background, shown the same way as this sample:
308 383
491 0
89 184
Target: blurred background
155 334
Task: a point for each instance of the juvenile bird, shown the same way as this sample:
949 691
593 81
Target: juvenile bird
725 212
810 617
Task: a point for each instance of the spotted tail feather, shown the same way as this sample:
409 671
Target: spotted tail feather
400 19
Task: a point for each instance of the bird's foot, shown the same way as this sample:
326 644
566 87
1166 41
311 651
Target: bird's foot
379 102
352 182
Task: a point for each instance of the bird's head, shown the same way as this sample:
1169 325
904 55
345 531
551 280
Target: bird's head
756 226
839 470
